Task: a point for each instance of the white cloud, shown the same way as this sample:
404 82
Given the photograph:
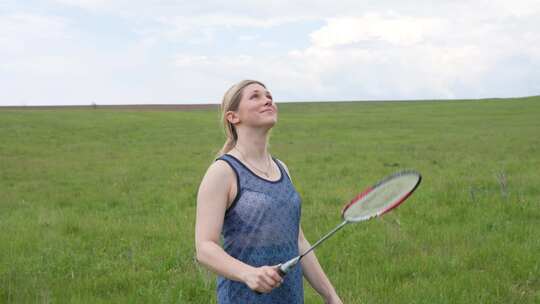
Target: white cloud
183 60
380 56
22 30
200 29
521 8
374 27
93 5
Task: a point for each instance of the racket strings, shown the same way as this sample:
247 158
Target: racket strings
382 197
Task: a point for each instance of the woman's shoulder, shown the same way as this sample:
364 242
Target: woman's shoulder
282 163
219 172
220 167
284 166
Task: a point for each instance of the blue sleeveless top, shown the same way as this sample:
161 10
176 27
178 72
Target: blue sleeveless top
261 228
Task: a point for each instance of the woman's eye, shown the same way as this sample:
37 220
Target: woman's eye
253 96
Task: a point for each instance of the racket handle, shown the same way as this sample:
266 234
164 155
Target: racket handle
280 272
284 268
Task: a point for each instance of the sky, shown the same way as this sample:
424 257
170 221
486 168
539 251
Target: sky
80 52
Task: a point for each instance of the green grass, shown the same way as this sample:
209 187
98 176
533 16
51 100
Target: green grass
98 206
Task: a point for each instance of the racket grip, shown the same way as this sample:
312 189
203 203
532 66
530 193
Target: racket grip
280 271
284 268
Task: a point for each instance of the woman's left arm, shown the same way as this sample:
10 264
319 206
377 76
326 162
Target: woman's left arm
315 274
312 269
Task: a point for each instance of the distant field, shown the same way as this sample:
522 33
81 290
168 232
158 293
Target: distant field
97 206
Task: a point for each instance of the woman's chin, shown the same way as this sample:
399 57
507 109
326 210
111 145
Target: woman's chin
269 123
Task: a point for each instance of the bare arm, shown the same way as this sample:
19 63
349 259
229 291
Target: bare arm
315 274
212 202
312 269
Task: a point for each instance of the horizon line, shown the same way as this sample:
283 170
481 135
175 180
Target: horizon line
210 105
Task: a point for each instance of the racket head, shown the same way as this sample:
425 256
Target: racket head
382 197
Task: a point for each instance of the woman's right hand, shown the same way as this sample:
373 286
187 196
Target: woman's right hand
263 279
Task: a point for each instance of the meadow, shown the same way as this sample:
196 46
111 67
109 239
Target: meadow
98 206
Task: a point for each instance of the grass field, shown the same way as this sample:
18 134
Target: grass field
97 206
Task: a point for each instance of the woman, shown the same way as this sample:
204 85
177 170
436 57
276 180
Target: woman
248 197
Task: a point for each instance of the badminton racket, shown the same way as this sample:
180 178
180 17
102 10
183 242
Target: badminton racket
373 202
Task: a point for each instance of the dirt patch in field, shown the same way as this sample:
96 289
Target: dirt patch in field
157 107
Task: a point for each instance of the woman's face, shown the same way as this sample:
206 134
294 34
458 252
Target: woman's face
256 107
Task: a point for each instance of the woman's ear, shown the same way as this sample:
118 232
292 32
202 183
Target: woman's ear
232 117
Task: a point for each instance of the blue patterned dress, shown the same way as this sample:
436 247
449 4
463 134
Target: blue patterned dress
261 228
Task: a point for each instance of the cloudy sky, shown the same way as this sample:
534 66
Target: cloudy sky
165 51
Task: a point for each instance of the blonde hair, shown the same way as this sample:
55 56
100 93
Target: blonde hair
231 101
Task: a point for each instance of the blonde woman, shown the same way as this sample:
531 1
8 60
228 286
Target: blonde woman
247 197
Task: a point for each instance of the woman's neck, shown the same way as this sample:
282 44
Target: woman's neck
253 145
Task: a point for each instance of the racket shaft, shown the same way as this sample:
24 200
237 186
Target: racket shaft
285 267
329 234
